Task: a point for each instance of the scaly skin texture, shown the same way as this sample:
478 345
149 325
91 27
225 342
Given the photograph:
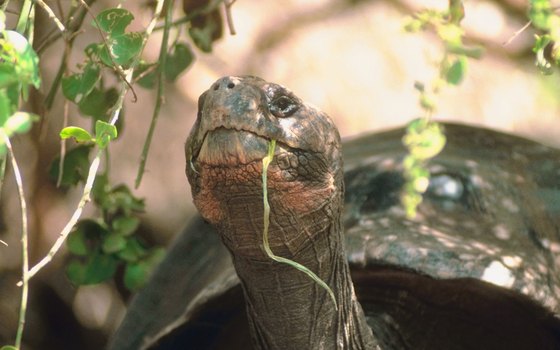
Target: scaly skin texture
287 310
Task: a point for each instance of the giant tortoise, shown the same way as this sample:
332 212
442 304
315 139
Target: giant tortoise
477 268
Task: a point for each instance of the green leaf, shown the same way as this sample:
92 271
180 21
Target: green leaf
137 274
98 103
20 122
77 243
77 86
177 61
470 51
85 237
451 34
411 200
121 199
205 28
114 21
6 108
79 134
101 189
93 50
456 11
123 49
133 251
8 75
413 25
27 61
126 47
113 243
202 38
104 133
125 225
539 13
427 102
76 166
456 72
95 269
424 140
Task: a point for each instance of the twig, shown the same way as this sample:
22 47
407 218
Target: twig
4 6
60 8
4 243
24 15
52 15
62 145
73 220
161 70
2 172
76 17
516 34
25 265
228 4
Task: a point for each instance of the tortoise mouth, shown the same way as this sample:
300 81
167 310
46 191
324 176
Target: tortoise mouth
230 147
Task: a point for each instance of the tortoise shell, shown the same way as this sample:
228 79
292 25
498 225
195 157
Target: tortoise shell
476 269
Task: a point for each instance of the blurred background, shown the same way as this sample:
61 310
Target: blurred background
352 58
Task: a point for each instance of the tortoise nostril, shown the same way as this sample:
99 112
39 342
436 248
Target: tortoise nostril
216 87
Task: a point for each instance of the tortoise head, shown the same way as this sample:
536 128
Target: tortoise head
237 117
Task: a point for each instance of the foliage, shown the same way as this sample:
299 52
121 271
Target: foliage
547 52
98 245
101 244
19 68
424 138
452 69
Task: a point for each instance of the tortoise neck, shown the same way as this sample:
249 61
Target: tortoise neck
288 310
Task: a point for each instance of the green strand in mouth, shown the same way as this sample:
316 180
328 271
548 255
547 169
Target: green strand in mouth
266 162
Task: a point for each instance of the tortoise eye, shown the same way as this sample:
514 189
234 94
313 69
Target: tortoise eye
283 106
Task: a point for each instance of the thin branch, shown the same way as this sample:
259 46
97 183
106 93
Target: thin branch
2 172
24 15
73 220
52 15
228 4
76 17
62 145
516 34
24 239
4 243
60 8
161 70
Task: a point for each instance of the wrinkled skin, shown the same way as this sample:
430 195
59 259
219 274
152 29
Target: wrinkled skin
286 310
477 269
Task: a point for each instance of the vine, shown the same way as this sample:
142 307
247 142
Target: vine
425 138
